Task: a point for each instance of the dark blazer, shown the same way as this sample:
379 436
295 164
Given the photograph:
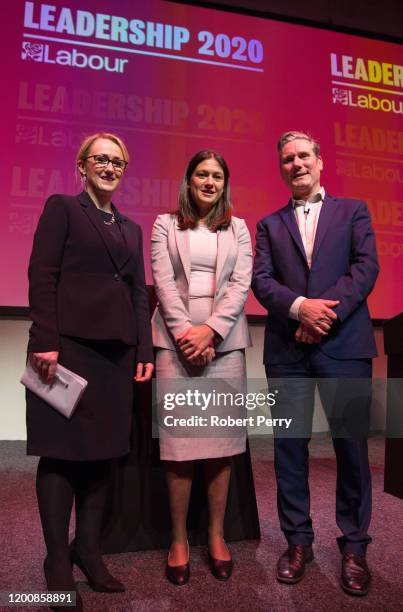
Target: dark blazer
344 267
82 284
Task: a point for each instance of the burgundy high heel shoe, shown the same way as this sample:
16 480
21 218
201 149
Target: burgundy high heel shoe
178 574
220 569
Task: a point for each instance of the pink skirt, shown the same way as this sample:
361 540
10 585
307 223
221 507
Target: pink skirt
229 367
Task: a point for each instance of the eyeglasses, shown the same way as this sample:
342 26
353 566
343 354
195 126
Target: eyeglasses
103 161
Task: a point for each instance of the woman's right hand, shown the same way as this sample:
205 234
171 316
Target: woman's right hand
205 358
195 339
45 364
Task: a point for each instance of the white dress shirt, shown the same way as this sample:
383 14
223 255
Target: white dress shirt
307 216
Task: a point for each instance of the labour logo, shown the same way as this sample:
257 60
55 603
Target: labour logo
32 52
340 96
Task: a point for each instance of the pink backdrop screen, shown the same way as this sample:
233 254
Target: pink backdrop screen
173 79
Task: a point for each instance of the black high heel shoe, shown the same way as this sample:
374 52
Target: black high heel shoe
178 574
62 580
97 574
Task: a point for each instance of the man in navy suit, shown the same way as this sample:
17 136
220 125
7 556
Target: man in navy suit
315 266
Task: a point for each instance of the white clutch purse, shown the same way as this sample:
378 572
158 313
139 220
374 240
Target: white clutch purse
64 391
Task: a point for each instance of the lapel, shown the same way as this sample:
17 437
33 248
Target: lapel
92 213
224 239
182 244
325 218
125 253
288 216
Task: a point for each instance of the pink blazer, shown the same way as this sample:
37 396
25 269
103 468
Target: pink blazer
170 260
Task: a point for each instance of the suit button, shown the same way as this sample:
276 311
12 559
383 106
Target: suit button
116 277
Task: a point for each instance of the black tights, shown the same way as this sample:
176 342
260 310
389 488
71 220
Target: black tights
58 483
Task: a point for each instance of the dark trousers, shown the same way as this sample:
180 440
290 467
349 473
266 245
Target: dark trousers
344 388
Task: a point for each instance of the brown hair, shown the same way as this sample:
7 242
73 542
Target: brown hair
89 140
188 215
295 135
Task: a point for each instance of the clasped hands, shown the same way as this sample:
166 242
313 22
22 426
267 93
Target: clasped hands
316 319
196 344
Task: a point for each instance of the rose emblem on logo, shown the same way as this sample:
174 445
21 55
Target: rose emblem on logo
32 52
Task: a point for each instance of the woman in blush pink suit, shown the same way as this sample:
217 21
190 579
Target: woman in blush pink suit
202 263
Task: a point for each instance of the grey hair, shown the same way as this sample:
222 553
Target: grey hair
296 135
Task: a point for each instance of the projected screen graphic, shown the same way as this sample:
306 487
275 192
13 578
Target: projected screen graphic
173 79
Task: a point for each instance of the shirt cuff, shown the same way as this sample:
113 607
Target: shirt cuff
294 308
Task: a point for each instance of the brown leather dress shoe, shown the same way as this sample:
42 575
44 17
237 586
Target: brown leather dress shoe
355 575
220 569
291 564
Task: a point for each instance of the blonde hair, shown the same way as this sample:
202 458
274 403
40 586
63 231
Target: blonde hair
85 145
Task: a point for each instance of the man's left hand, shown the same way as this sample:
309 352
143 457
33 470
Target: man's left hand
303 334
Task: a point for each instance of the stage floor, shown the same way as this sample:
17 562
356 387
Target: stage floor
253 585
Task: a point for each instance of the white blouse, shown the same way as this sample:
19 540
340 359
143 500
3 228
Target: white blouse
203 258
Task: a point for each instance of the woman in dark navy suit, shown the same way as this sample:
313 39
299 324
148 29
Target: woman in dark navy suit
89 310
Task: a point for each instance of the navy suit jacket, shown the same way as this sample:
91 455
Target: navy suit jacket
344 267
82 284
